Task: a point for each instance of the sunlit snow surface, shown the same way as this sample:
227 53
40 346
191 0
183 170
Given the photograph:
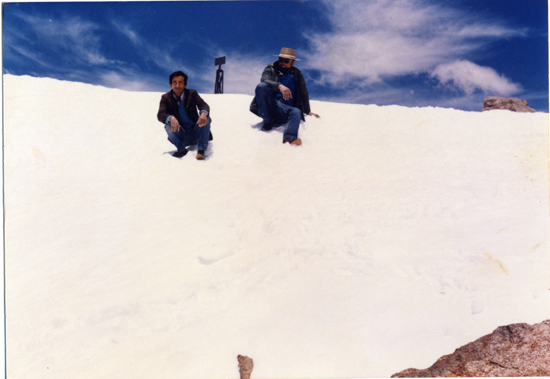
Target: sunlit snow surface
391 237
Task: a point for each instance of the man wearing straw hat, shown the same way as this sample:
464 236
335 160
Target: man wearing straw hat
282 97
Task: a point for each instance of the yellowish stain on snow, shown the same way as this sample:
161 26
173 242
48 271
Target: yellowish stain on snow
496 263
532 155
38 157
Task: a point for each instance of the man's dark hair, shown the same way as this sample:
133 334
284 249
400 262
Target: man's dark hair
179 73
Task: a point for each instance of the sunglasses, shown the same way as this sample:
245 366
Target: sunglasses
284 60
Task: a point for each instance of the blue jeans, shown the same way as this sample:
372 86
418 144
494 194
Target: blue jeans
273 110
189 135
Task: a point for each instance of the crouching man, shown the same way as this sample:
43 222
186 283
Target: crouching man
282 97
179 112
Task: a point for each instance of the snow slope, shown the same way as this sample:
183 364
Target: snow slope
391 237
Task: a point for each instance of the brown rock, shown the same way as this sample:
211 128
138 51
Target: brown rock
245 366
510 103
513 350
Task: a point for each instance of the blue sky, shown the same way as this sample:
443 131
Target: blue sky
404 52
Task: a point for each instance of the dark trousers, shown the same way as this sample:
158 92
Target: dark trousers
273 110
189 135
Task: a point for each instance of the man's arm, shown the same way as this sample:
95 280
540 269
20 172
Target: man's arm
163 112
197 100
305 95
203 118
165 116
201 105
269 76
303 92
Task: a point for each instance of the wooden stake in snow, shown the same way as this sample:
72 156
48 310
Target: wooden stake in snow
245 366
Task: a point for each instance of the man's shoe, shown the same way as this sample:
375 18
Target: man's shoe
267 126
200 155
180 154
295 142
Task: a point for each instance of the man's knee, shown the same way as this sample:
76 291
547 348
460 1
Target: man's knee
262 88
168 129
296 113
208 122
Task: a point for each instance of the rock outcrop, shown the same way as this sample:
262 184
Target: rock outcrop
513 350
246 365
510 103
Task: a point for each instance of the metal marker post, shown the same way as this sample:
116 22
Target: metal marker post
219 75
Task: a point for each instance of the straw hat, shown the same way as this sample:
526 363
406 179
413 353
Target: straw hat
287 53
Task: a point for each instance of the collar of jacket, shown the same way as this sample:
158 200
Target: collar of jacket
181 98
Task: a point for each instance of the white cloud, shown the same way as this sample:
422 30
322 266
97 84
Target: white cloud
368 58
244 75
470 77
380 39
478 31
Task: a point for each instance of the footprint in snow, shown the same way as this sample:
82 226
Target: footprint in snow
213 257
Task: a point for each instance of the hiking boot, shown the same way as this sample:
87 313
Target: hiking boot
180 154
295 142
200 155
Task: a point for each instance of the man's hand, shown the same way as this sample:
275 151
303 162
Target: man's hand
174 124
202 120
313 114
285 91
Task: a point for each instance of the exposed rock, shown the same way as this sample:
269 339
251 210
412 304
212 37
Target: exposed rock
245 366
513 350
510 103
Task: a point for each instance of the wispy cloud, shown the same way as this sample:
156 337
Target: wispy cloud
242 71
128 32
76 49
69 47
148 51
377 40
482 30
70 38
470 77
130 81
409 52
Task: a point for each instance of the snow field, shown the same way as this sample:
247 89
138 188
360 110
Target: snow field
391 237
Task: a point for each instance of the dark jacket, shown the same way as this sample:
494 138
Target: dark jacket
271 76
193 105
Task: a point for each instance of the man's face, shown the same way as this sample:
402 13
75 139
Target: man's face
286 63
178 85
